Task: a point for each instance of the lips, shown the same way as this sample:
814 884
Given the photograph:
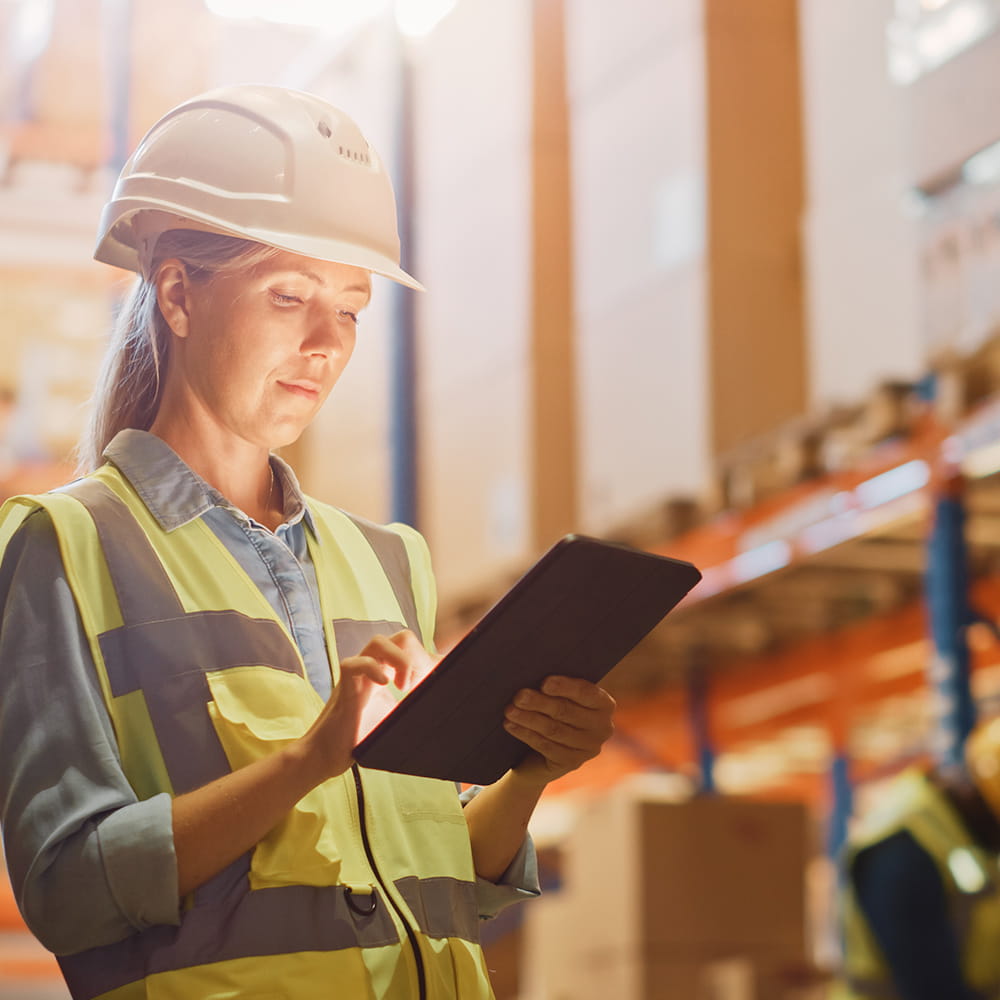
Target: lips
302 387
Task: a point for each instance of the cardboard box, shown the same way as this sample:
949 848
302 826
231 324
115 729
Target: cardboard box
639 231
627 978
548 948
693 900
745 979
713 876
623 977
472 164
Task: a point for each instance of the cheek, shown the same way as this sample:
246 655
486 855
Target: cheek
350 342
232 374
245 354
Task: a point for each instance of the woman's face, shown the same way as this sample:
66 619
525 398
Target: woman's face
262 348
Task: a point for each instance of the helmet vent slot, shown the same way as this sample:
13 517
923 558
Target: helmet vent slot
324 130
354 156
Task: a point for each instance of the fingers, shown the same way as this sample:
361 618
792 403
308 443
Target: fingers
555 757
368 667
402 653
421 661
565 703
581 691
361 699
566 722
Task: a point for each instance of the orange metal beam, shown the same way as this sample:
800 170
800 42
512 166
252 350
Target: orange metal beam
792 516
854 660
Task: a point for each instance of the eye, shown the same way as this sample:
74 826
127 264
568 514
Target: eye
348 315
283 298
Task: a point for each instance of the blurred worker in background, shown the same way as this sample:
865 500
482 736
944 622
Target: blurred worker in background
922 892
188 643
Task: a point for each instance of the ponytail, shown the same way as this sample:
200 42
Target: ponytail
127 393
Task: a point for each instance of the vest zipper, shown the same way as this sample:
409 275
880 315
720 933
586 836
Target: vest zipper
414 944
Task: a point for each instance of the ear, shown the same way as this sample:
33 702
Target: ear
173 295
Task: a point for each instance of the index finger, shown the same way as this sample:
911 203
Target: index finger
420 659
388 652
576 689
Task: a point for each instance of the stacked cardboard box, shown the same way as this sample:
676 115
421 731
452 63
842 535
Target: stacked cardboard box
665 900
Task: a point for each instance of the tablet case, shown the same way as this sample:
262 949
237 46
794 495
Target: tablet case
576 612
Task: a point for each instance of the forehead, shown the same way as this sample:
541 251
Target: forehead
324 273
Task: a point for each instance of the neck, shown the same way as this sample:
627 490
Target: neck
239 470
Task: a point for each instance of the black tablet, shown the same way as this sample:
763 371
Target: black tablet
576 612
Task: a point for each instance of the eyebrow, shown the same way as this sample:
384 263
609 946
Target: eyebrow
365 290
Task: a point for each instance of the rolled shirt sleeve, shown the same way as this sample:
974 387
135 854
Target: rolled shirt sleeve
90 864
518 883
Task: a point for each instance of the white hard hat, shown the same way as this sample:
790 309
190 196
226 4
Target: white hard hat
268 164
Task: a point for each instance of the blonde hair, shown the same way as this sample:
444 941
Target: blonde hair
130 382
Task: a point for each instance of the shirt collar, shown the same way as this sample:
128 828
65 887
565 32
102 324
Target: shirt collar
175 494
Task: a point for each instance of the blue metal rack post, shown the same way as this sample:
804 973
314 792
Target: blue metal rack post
949 610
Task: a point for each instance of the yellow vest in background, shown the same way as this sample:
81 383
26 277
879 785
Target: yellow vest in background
367 888
971 881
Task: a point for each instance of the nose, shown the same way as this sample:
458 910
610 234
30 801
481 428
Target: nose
329 334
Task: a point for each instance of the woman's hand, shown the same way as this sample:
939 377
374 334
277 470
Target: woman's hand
215 824
565 724
357 703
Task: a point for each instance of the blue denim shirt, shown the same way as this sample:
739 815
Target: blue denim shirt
89 863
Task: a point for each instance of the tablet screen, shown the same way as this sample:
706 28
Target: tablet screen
576 612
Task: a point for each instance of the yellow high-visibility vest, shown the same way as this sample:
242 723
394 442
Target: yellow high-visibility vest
971 882
367 888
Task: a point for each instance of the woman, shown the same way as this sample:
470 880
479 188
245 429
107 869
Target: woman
188 644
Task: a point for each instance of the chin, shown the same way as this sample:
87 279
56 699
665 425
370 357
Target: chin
284 440
282 437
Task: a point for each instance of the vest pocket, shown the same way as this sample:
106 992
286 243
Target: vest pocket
458 971
424 828
257 711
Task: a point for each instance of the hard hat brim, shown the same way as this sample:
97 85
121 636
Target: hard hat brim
121 252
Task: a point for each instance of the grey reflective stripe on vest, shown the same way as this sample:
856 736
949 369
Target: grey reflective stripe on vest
352 636
443 907
143 589
390 550
277 921
165 651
